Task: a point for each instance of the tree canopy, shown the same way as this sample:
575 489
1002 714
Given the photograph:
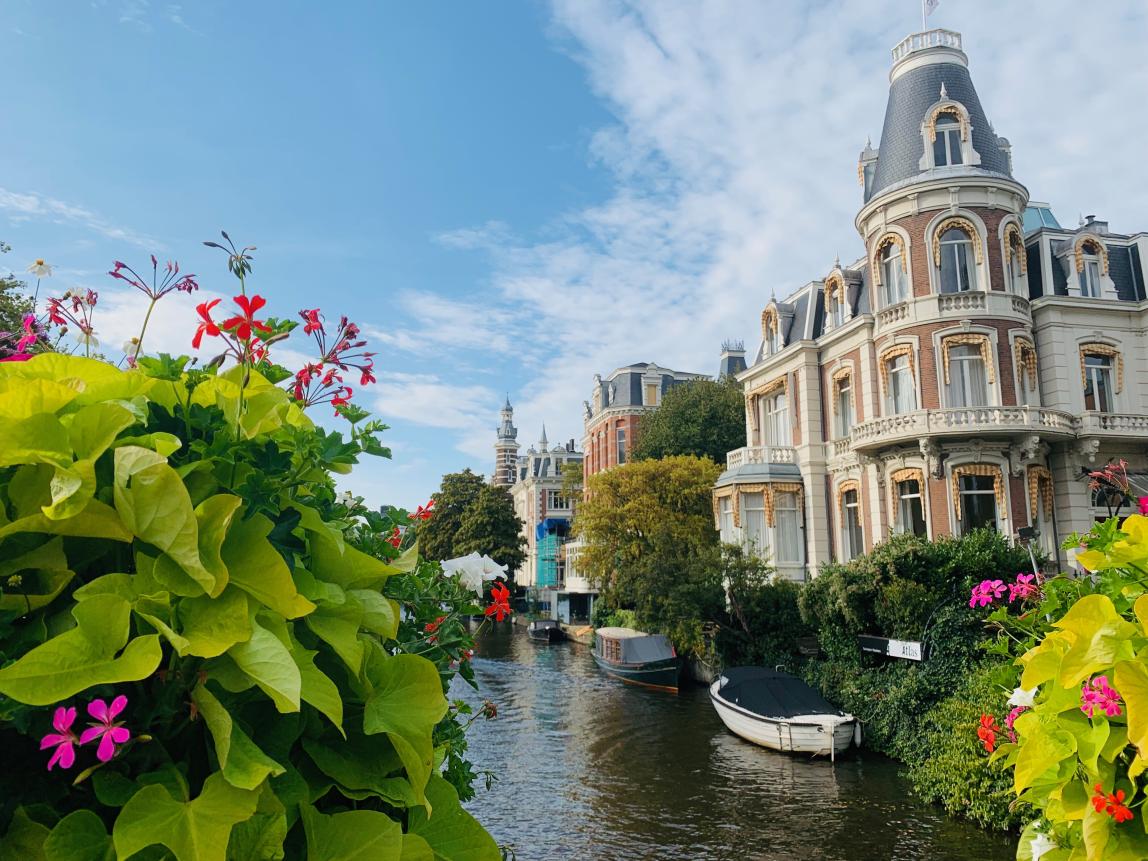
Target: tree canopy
651 546
703 418
473 516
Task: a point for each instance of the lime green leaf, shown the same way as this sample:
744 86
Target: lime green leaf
39 438
338 626
380 615
194 830
164 444
1131 680
256 567
155 506
1141 608
213 518
84 656
1074 799
1101 637
311 520
358 835
156 611
44 573
124 585
79 836
1041 752
416 849
95 521
351 569
24 840
24 398
1097 829
364 763
316 590
451 832
317 689
214 625
241 761
112 788
268 663
93 429
406 702
261 837
1090 737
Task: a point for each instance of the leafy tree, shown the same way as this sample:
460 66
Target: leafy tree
572 481
14 303
703 418
437 536
650 543
491 528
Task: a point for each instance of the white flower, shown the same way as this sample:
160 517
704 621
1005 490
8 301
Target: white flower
87 339
1023 697
40 269
1040 844
130 345
475 570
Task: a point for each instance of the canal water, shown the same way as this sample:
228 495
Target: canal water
591 768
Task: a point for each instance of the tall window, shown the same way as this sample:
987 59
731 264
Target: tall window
902 393
770 340
1016 280
956 261
892 276
725 519
651 394
788 519
967 386
843 396
836 312
753 524
621 445
556 501
1098 383
852 539
910 508
1090 277
777 421
1027 386
978 502
947 145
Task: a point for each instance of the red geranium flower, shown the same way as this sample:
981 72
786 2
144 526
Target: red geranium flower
312 323
395 538
1112 804
422 513
431 627
243 324
500 595
987 732
206 325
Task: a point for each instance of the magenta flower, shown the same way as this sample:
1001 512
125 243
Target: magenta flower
1096 696
1023 588
987 591
1144 504
110 734
30 336
64 740
1011 719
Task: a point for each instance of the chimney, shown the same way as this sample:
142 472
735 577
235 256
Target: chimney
732 358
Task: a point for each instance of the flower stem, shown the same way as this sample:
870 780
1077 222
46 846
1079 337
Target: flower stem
143 330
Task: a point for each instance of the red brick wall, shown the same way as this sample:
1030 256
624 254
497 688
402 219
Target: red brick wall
1019 513
921 253
939 506
602 453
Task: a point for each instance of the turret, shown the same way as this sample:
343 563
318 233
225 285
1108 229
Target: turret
506 448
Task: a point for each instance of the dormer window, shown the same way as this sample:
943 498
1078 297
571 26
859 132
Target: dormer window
836 312
956 261
893 275
1090 277
947 145
770 342
770 331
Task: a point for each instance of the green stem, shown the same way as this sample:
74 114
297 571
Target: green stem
143 330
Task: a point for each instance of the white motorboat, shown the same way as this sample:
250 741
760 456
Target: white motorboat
779 711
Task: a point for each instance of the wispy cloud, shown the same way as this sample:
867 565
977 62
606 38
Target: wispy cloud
429 401
25 206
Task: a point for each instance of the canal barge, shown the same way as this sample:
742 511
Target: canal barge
545 631
779 711
637 657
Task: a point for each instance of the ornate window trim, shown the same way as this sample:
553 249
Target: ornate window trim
843 488
1095 349
1039 491
770 322
1025 357
964 224
844 372
752 397
895 352
982 469
907 473
954 109
972 340
1014 243
725 493
889 238
776 487
1101 252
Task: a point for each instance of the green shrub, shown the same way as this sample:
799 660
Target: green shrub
765 623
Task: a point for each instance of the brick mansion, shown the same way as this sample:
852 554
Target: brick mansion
967 371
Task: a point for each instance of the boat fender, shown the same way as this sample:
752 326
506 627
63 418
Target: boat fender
857 734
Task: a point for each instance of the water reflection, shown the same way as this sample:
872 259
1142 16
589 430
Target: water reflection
591 768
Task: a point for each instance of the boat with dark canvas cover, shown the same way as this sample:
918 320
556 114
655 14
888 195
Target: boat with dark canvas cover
777 710
545 631
637 657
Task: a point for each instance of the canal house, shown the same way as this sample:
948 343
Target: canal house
967 368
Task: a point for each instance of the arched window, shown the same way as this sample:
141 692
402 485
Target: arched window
968 370
956 261
1016 263
770 342
843 403
1090 273
835 312
770 331
1028 390
849 506
893 274
1102 372
947 143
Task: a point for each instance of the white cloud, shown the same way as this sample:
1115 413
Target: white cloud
427 400
437 323
33 206
734 163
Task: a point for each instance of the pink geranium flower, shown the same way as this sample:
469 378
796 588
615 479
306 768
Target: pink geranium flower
1023 588
63 739
1096 696
109 732
987 591
1144 504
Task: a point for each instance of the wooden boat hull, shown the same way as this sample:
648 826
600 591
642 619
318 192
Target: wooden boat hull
818 735
546 635
654 674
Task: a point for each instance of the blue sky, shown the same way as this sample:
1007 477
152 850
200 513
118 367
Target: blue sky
513 196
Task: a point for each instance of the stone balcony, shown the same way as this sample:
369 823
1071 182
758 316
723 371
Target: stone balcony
975 303
760 454
1114 425
967 421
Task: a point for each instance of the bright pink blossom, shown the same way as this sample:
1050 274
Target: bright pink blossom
63 739
1011 719
1096 696
987 591
1144 504
312 321
1023 589
107 730
30 336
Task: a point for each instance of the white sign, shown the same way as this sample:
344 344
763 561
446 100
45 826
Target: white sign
904 649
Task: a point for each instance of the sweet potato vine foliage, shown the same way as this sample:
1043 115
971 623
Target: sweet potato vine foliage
206 652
